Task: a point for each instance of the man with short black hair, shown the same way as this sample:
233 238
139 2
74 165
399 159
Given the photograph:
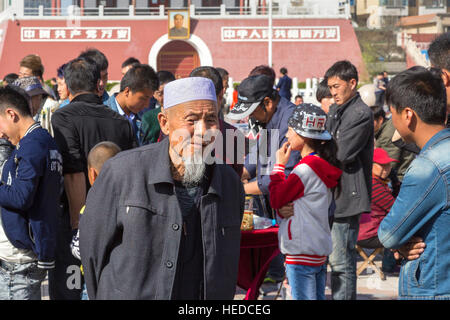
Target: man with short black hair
417 101
350 122
102 63
79 126
128 64
31 183
136 89
284 84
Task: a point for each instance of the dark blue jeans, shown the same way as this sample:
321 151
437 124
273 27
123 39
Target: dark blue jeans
342 260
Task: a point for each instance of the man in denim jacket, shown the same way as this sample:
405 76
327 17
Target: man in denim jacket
417 100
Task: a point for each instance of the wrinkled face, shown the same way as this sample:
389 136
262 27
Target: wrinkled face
62 89
341 90
326 103
190 126
296 141
178 21
25 72
381 170
138 101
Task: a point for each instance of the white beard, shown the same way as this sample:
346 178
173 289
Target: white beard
194 170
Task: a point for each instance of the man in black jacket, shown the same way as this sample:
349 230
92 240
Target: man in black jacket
78 127
350 121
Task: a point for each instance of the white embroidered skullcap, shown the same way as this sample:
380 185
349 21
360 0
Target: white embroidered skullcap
188 89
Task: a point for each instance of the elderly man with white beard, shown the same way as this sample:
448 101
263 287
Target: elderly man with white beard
162 222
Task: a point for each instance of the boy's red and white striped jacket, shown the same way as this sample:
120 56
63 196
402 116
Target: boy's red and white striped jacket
305 237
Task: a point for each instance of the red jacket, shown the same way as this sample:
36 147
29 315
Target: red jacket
382 201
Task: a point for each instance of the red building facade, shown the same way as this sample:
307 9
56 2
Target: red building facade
307 47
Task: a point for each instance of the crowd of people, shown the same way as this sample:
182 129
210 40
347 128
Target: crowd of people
142 192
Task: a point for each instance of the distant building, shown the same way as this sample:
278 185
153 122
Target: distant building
308 36
377 14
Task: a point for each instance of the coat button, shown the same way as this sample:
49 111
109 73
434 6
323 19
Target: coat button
169 264
175 226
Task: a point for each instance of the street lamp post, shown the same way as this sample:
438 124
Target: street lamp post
270 35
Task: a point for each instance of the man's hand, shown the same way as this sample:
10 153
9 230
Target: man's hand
287 211
412 250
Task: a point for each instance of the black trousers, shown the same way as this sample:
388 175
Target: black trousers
65 282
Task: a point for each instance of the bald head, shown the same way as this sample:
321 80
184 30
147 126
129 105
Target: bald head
100 153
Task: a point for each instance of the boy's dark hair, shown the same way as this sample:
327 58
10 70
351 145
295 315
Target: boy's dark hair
344 70
81 74
378 112
97 56
165 76
298 96
263 69
15 98
10 78
439 51
323 91
130 61
421 90
140 77
283 71
60 71
210 73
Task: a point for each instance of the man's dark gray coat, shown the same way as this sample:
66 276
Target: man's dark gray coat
351 124
131 228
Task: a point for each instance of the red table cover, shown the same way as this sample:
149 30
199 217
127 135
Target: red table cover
258 248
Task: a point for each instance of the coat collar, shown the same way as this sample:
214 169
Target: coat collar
339 110
162 172
88 97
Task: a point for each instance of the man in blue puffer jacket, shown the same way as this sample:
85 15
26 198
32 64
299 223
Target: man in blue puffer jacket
29 200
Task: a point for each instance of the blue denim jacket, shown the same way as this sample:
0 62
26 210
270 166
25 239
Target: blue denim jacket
422 209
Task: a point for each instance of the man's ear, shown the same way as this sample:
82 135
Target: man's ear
99 86
353 83
410 117
126 91
446 77
163 122
11 114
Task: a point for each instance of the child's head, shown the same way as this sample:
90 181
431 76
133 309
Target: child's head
97 157
306 123
381 163
307 128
